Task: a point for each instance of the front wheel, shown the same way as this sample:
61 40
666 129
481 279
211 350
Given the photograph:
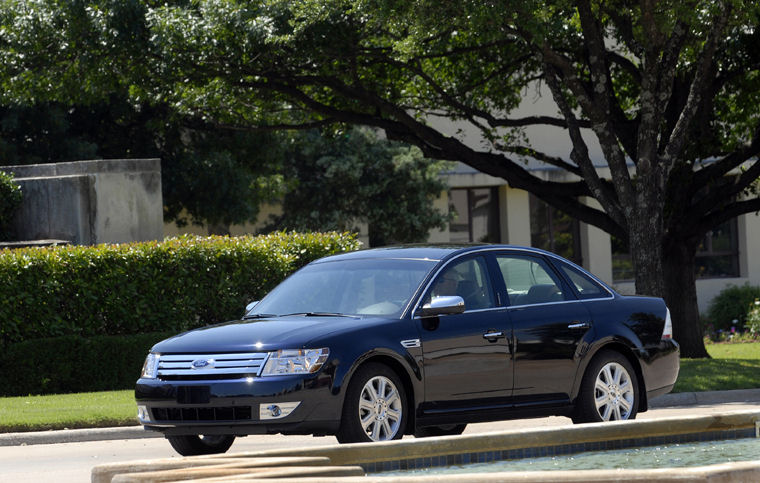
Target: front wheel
194 445
375 406
609 390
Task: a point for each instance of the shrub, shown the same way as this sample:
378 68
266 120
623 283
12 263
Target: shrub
10 199
732 303
135 288
72 363
753 318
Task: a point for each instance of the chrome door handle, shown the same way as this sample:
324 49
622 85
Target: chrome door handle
579 325
493 335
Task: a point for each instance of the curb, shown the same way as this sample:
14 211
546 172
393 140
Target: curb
705 398
138 432
76 435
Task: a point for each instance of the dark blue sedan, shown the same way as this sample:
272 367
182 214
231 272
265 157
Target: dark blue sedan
376 344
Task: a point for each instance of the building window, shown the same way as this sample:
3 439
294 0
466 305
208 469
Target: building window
555 231
476 215
622 264
717 255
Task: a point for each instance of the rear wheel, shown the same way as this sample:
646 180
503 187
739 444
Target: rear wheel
609 391
446 430
375 406
194 445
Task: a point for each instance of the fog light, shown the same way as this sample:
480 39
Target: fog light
277 410
143 414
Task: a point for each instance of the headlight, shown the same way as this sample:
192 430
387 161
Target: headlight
295 361
150 368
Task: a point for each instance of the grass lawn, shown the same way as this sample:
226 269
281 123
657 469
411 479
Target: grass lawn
733 366
86 410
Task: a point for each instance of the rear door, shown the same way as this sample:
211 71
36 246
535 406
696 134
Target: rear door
548 327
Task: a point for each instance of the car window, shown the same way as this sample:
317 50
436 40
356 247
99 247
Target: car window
587 287
529 280
467 279
355 287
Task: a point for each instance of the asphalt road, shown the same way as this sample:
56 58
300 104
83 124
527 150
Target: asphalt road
73 462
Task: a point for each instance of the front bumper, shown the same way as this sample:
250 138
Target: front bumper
254 405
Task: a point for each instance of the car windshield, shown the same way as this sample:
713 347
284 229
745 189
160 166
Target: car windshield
348 287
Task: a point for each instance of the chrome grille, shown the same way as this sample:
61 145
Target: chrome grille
194 366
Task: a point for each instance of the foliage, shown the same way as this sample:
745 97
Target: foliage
752 322
659 85
73 363
732 304
174 285
333 183
10 199
68 411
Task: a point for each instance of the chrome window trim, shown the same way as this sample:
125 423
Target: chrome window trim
558 302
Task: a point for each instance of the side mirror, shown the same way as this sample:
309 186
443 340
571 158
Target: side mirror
451 304
249 307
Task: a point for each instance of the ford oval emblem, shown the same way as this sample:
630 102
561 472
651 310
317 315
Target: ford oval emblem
201 363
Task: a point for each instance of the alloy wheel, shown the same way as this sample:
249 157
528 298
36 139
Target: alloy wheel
614 392
380 409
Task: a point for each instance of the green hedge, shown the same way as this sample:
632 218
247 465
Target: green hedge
72 363
136 288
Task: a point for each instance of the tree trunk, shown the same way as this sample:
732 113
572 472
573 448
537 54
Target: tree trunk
645 243
681 297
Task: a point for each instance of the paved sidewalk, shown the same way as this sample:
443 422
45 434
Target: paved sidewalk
137 432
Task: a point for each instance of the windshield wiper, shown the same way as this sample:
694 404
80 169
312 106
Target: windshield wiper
318 314
258 316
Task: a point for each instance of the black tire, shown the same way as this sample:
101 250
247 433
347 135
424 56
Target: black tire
447 430
609 390
375 406
194 445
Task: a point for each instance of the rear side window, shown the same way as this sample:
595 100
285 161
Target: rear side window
586 287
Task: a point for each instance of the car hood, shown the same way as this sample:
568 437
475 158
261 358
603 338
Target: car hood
289 332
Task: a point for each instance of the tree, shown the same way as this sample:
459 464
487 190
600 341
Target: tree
335 182
668 89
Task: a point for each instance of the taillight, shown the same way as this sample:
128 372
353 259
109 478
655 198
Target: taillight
667 331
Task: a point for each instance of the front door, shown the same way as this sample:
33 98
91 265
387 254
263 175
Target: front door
466 356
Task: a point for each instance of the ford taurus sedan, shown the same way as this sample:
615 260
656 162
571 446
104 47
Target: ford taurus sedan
376 344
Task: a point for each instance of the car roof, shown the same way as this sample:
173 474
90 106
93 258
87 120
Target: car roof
433 252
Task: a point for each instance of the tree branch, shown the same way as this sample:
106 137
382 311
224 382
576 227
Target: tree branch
580 154
699 86
543 157
723 166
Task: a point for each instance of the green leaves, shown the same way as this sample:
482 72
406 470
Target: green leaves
10 199
174 285
353 178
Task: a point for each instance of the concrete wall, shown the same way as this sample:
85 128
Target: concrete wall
90 202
